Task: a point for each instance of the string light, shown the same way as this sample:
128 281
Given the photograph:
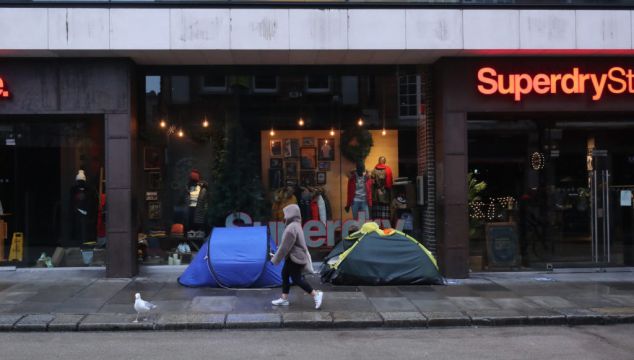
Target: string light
537 161
360 121
332 132
383 132
301 122
272 132
205 123
163 124
181 133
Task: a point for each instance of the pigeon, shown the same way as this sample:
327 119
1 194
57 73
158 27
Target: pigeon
141 306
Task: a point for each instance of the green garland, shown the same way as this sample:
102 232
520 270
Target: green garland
356 143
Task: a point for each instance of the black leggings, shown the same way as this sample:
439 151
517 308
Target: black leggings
293 271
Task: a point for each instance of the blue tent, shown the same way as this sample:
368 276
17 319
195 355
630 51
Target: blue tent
236 257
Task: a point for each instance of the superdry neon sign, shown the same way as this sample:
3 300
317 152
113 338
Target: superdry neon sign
4 93
616 80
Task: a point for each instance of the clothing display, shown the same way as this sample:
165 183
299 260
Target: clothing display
197 200
381 189
83 212
282 197
359 191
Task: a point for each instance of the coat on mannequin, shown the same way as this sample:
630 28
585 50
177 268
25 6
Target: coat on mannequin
83 212
359 191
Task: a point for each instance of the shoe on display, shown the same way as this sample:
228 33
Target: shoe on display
318 299
186 249
280 302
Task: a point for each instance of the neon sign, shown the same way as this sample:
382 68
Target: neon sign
616 80
4 93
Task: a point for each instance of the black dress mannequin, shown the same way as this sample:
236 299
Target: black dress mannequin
83 212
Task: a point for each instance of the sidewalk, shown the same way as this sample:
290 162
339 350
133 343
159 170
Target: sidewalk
84 300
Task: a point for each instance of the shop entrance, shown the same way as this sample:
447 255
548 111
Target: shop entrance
564 187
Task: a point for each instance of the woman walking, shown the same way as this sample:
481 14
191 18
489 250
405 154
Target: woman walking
293 250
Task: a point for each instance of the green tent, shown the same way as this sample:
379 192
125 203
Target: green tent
372 256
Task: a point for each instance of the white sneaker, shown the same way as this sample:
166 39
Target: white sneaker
318 298
280 302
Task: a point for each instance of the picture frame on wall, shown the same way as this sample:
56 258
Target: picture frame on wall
320 178
308 158
290 169
326 149
154 180
291 182
323 165
307 178
291 148
275 163
151 158
276 148
308 141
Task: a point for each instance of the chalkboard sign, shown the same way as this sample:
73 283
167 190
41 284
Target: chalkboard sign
502 244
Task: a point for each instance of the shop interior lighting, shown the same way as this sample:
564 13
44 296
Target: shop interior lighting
205 123
181 133
300 122
272 132
360 121
163 124
332 131
383 132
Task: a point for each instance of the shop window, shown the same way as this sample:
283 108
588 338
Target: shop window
318 83
265 84
214 84
408 95
180 89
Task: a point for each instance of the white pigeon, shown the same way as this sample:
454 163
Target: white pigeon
141 306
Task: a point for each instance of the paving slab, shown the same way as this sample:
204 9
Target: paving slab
174 321
515 304
213 304
8 320
65 322
442 319
551 302
36 322
398 304
307 319
356 319
114 322
249 321
435 306
473 303
403 319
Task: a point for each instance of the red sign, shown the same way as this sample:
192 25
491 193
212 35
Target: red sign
616 80
4 93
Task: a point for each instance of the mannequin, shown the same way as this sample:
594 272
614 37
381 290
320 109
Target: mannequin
83 212
196 200
359 191
381 189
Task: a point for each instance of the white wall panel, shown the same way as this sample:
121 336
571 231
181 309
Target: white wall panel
77 28
203 29
491 29
547 29
433 29
604 29
318 29
142 29
377 29
259 29
23 29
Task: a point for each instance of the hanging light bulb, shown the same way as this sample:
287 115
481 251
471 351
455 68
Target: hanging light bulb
332 131
360 121
181 133
301 121
272 132
205 123
383 132
163 124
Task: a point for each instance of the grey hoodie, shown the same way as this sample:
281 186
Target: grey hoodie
293 243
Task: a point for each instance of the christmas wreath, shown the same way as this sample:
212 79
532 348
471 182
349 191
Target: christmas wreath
356 144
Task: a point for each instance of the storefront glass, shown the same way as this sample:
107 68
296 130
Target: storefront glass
52 194
233 146
563 184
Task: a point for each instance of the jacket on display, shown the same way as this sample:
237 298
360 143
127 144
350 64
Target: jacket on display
281 198
382 183
352 188
200 204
